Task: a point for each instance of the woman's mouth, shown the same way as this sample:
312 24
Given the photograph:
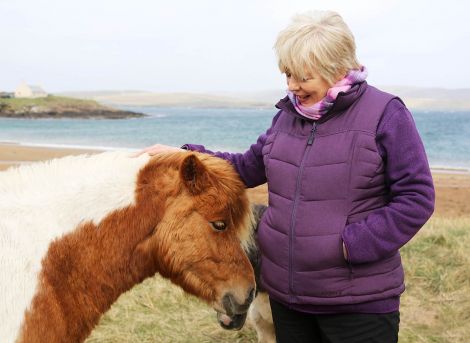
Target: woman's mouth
303 98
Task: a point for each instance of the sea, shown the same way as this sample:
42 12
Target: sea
446 135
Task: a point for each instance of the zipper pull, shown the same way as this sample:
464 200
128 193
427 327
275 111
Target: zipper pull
312 134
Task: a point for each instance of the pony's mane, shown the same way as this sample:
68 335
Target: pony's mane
74 181
48 175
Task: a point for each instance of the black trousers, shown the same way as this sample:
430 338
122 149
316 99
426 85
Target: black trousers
299 327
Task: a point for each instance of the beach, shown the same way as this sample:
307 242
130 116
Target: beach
452 186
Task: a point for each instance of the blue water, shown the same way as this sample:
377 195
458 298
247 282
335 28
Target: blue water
446 135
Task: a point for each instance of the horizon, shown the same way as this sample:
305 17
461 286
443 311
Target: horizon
222 91
154 46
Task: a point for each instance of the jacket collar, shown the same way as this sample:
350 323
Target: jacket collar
343 101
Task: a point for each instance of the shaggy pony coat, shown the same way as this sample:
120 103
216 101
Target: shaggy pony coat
77 232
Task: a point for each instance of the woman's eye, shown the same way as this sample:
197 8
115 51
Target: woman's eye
218 225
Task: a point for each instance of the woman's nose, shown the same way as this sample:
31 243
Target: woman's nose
292 84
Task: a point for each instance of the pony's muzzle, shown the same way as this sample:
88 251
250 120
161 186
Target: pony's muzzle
232 307
235 313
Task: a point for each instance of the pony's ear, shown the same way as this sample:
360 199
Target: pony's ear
194 174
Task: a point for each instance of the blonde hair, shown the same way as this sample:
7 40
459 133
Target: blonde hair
317 40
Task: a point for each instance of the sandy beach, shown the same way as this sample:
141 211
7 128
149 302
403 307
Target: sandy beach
452 187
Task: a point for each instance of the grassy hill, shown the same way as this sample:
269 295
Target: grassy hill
142 98
59 107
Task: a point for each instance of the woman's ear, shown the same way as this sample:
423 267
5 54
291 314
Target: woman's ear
194 175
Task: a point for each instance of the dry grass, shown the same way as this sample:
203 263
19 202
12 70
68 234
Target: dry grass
436 304
435 307
158 311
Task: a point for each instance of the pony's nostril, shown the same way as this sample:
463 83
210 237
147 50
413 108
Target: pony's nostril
229 304
233 307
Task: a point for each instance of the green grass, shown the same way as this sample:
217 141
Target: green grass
435 306
55 102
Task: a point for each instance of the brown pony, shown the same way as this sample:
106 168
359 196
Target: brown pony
183 215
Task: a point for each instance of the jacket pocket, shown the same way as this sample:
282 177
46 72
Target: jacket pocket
320 252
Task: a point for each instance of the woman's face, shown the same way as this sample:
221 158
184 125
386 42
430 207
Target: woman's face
311 89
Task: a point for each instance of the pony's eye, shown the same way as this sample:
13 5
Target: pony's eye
218 225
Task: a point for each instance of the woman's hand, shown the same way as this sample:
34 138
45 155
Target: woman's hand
157 149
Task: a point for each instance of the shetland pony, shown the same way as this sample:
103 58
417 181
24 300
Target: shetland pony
77 232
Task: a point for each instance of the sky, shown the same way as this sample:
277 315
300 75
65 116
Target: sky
219 45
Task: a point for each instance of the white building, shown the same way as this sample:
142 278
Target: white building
28 91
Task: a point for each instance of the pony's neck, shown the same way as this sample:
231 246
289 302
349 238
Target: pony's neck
85 271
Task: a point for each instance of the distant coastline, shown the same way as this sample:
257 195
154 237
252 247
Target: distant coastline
60 107
416 98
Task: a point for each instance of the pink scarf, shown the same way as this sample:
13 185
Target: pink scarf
317 110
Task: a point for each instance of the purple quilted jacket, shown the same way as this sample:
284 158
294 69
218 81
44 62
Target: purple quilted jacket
359 176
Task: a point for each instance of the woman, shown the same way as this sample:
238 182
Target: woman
349 184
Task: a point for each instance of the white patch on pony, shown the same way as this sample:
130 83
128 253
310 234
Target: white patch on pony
246 235
261 318
43 201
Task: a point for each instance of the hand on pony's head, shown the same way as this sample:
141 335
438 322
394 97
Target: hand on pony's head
157 149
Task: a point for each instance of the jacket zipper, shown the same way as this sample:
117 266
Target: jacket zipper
312 134
310 141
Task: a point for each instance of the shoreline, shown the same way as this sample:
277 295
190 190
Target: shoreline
64 146
14 154
439 169
452 185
